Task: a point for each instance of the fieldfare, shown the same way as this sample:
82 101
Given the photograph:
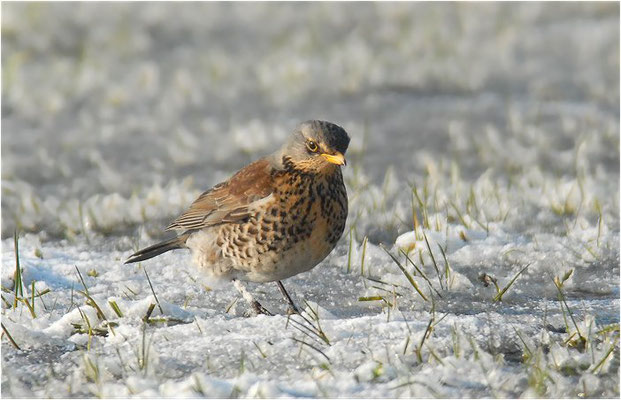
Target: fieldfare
275 218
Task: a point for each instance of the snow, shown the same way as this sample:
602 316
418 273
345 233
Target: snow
484 157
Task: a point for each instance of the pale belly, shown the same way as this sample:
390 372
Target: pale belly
279 265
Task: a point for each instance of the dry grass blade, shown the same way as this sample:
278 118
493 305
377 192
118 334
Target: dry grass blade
312 347
440 320
142 355
89 329
305 330
364 252
8 335
392 292
370 298
418 351
228 308
149 312
260 351
433 259
423 384
17 278
447 268
30 307
459 216
423 208
394 285
152 290
528 350
316 327
82 280
32 299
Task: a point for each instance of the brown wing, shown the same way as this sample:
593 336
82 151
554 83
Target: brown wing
228 201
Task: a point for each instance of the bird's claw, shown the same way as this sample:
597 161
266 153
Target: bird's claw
259 309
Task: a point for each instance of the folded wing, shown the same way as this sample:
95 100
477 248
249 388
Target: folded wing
230 201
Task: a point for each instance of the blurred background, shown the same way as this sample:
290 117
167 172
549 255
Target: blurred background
491 130
117 114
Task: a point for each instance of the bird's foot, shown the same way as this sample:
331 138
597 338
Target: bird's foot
291 310
259 309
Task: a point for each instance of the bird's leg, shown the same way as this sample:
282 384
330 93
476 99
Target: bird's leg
292 308
256 306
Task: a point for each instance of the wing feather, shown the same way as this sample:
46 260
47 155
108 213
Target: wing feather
229 201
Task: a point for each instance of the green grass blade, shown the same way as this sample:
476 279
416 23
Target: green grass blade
433 259
406 273
498 297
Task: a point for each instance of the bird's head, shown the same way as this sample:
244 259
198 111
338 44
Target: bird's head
316 146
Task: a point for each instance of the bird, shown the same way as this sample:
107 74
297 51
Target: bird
275 218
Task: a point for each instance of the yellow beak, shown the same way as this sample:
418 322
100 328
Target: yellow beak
337 158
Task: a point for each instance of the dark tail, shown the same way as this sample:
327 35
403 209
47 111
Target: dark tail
157 249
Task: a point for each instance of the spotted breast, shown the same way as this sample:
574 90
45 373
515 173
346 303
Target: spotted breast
295 228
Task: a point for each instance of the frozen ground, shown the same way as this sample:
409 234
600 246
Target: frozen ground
487 133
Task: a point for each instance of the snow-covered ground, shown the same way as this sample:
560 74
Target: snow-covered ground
481 255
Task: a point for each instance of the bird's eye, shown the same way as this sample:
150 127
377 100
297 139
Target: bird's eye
312 146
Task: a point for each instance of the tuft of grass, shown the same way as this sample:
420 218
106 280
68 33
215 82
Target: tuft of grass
581 342
421 273
406 273
504 290
315 323
88 330
310 327
90 301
